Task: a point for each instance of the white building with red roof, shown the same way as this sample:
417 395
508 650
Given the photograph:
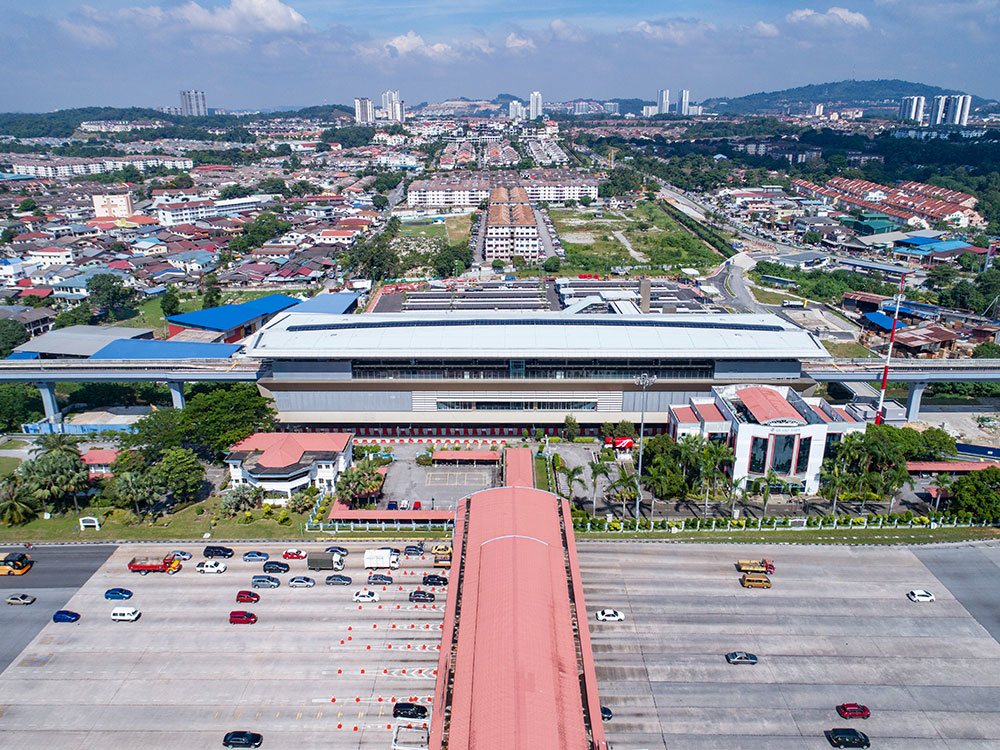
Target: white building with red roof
282 463
769 429
98 461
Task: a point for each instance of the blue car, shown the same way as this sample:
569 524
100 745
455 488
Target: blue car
255 556
117 593
64 615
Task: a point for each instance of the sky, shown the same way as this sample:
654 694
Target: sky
248 54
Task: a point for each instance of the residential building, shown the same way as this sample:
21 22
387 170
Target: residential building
116 205
650 110
364 112
911 109
535 106
770 429
516 110
952 109
472 188
282 463
45 257
193 104
581 108
393 107
663 101
684 103
98 461
36 320
511 228
611 108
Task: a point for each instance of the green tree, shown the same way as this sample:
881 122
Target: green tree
57 443
571 428
19 403
16 506
54 478
551 264
497 265
212 296
156 433
812 238
240 499
987 350
7 236
132 490
586 200
28 204
223 416
107 291
941 276
180 473
81 315
380 202
573 476
170 303
598 469
12 334
978 493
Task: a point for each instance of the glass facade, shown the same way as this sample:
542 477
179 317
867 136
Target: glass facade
758 455
547 369
517 406
781 458
802 462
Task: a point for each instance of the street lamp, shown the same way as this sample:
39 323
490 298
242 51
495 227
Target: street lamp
644 381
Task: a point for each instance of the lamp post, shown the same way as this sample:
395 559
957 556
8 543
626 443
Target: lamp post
644 381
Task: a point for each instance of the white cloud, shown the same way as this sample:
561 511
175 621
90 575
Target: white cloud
566 32
410 44
674 31
87 34
517 43
835 16
764 30
242 16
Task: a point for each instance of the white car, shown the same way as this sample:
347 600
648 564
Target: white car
919 595
610 615
301 582
211 566
22 599
365 596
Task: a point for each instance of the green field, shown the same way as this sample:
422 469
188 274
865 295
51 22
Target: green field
849 349
8 464
458 228
767 297
424 229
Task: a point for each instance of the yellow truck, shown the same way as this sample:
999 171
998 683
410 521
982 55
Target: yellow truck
755 566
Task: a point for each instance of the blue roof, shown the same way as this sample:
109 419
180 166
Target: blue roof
883 321
335 304
920 252
23 355
152 349
945 245
227 317
917 241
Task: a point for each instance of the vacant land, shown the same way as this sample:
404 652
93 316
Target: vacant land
848 349
458 228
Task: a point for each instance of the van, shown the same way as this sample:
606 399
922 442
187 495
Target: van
125 614
755 581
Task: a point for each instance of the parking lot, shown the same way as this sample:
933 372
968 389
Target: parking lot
836 627
436 487
316 670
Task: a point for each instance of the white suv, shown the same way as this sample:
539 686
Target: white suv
211 566
366 596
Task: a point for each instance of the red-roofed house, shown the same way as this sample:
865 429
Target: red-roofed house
282 463
98 461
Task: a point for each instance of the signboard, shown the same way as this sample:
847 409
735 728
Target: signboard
620 443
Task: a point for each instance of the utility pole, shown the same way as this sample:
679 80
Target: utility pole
888 351
644 381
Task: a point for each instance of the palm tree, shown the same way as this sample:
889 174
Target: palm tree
131 488
713 457
765 494
690 449
598 469
942 483
623 488
573 477
16 506
57 443
833 480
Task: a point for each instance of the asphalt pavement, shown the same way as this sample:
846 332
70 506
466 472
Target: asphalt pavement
972 575
57 574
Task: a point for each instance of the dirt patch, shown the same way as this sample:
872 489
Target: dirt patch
578 238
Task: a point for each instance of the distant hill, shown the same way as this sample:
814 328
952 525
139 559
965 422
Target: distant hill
864 94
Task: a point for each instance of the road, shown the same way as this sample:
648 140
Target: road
636 255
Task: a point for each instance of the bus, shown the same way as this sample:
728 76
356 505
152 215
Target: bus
15 564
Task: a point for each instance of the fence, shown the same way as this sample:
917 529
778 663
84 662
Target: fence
775 524
346 527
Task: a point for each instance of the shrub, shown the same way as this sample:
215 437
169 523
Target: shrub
268 509
424 459
283 518
586 439
198 510
247 517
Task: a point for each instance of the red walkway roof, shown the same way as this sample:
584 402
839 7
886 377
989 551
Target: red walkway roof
961 467
519 465
516 682
446 455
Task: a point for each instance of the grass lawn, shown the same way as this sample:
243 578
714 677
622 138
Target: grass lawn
424 229
806 536
8 464
541 475
149 314
850 349
767 297
14 445
458 228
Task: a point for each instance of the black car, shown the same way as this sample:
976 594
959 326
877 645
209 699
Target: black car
432 579
242 739
393 550
846 737
338 580
379 579
275 566
216 551
606 713
421 596
409 711
336 551
414 550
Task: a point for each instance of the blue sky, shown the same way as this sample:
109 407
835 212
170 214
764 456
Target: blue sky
266 53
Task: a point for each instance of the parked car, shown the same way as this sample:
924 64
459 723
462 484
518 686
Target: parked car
255 556
242 739
853 711
242 617
393 550
606 713
433 579
65 615
421 597
335 550
264 582
338 580
117 593
293 554
846 737
211 566
414 550
919 595
214 550
181 554
379 579
409 711
20 599
273 566
365 596
441 549
610 615
247 597
741 657
301 582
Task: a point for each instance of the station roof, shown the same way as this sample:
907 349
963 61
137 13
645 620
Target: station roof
335 304
520 334
767 405
152 349
80 341
227 317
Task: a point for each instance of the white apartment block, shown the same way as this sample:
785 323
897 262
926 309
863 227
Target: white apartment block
117 205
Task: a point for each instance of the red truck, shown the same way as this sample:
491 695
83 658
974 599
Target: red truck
144 565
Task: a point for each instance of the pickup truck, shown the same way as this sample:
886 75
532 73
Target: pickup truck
144 565
381 558
755 566
324 561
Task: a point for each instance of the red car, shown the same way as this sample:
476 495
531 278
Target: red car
853 711
293 554
247 597
240 617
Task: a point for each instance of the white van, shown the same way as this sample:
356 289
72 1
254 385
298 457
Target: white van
125 614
